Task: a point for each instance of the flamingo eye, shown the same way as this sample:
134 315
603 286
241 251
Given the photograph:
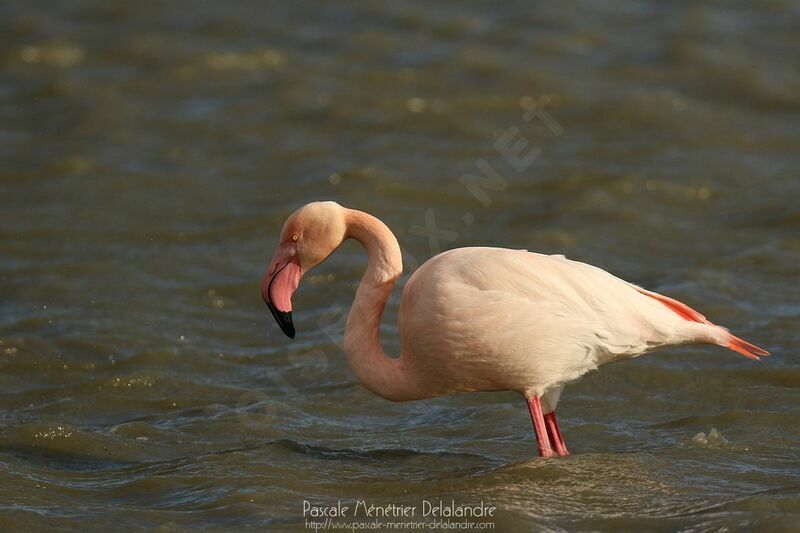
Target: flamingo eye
295 237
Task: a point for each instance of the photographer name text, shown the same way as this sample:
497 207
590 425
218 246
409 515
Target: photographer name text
426 508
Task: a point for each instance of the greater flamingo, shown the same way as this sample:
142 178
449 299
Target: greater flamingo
483 319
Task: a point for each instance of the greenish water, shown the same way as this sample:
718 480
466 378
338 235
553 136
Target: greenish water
150 151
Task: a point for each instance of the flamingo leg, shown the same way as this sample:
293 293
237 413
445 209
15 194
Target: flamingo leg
555 434
542 438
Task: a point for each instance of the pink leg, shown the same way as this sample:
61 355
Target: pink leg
555 434
542 439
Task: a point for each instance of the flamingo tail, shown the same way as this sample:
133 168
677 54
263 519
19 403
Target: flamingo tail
718 335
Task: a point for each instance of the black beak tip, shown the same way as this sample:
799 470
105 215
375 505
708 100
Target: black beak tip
284 320
288 327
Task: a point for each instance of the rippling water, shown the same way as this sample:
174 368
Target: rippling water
149 153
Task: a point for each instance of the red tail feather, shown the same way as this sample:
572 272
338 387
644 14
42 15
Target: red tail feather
745 348
734 343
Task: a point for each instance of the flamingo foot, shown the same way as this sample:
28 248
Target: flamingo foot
542 437
555 434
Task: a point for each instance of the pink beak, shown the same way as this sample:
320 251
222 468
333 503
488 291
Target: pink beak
280 282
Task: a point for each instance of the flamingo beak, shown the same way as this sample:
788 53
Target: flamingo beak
280 282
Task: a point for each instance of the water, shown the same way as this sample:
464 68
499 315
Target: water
151 151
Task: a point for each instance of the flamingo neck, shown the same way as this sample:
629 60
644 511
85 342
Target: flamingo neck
381 374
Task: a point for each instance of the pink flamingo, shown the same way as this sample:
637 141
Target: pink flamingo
483 319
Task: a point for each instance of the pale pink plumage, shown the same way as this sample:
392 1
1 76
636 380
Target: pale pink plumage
481 319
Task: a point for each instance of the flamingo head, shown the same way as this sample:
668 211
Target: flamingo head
308 237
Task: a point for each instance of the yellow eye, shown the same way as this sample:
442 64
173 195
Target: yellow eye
295 237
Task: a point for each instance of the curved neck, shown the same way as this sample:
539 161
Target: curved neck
381 374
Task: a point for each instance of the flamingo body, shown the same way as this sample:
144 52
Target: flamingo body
475 319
